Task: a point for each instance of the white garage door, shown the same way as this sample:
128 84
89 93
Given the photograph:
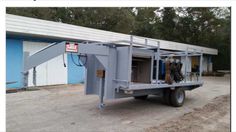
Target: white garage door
49 73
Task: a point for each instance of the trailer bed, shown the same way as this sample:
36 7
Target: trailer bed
144 86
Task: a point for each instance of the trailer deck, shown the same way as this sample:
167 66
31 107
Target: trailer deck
144 86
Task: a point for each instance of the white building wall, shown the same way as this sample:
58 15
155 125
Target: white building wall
210 67
49 73
205 64
189 64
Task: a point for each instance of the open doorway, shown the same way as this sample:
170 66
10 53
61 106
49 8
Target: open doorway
195 63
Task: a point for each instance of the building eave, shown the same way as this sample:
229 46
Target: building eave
49 29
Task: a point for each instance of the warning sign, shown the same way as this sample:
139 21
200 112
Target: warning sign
72 47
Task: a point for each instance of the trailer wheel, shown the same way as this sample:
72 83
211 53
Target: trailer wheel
177 97
141 97
166 96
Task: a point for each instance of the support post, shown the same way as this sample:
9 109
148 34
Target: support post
186 64
34 76
152 67
101 93
130 58
157 61
101 75
200 69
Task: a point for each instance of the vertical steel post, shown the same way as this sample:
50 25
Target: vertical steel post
152 64
34 76
157 61
186 64
101 93
130 58
200 69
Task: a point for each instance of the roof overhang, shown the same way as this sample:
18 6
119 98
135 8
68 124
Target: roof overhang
18 25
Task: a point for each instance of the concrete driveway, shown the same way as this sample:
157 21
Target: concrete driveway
66 108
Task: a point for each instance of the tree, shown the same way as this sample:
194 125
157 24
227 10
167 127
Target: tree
209 27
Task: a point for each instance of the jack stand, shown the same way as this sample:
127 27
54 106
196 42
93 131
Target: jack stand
101 103
101 106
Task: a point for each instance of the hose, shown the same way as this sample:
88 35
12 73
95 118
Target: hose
64 60
79 64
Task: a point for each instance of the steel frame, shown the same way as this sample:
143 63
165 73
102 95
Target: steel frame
129 86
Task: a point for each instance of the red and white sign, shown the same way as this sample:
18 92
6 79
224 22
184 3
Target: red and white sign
71 47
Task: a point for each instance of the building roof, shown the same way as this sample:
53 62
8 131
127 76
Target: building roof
19 25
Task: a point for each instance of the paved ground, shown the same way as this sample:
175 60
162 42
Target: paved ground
213 117
66 108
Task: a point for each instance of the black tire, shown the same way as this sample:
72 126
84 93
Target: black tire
177 97
166 96
143 97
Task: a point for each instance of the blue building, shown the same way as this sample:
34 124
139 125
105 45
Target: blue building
51 73
25 34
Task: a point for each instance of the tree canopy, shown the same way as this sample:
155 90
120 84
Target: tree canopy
209 27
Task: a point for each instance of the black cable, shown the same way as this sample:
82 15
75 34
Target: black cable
85 59
64 60
72 58
78 64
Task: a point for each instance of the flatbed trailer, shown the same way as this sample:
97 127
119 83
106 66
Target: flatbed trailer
122 69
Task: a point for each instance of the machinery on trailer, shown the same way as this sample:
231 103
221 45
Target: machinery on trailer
126 69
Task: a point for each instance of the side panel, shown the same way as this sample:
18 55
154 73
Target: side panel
14 62
90 73
111 74
92 82
122 63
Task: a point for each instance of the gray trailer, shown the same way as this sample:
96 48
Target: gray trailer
124 69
